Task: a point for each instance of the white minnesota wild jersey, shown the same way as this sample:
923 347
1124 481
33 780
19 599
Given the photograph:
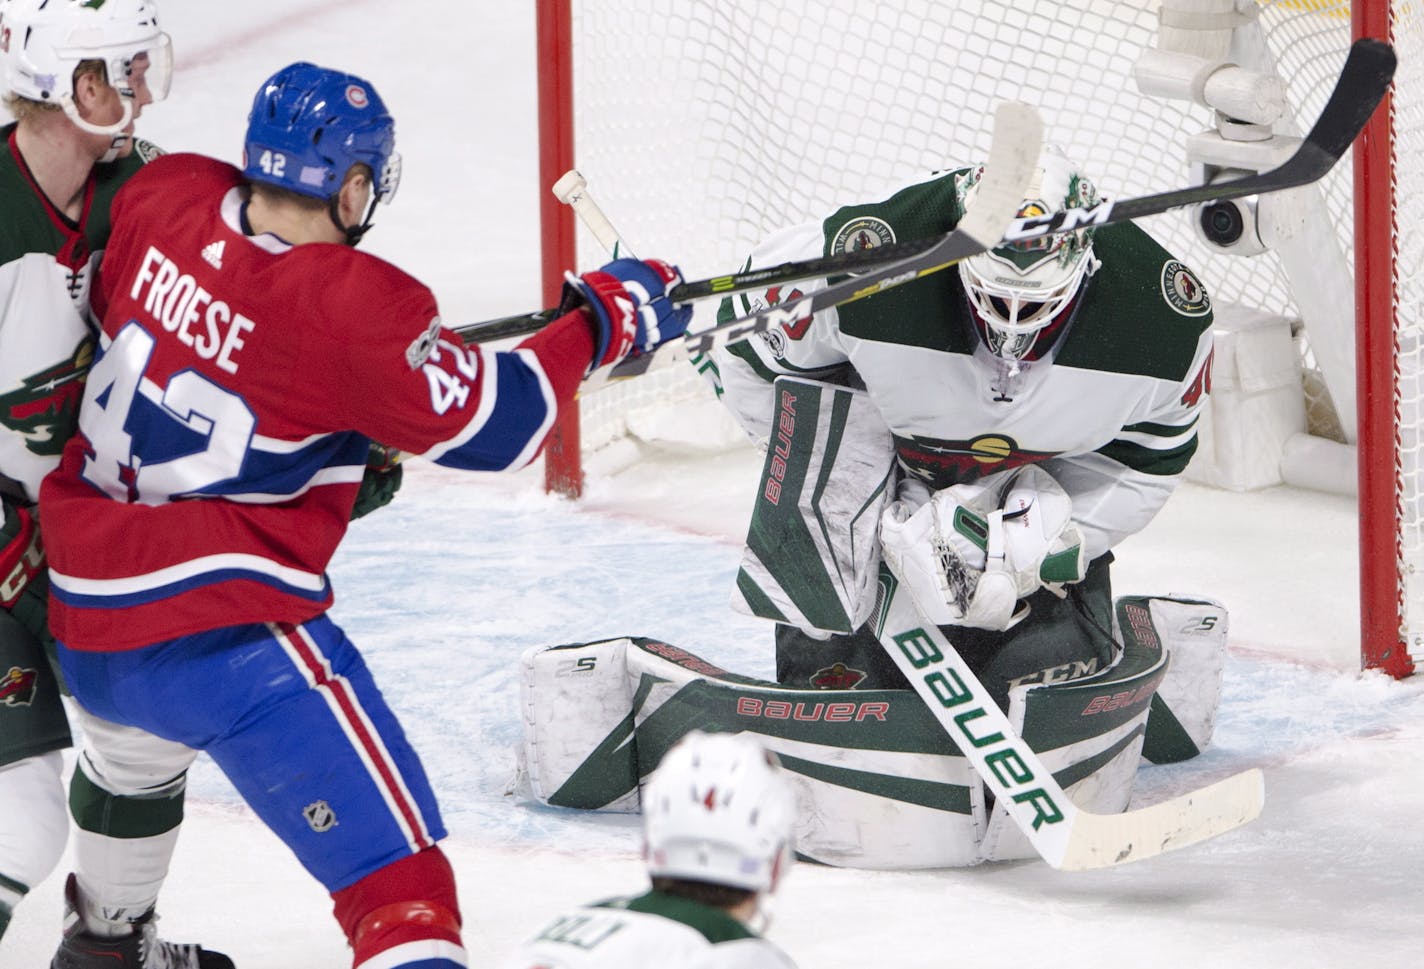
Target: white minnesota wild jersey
644 932
1110 411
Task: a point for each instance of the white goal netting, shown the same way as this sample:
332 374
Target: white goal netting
701 125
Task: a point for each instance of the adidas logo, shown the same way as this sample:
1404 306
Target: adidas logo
213 252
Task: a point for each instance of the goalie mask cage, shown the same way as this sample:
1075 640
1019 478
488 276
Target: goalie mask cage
702 125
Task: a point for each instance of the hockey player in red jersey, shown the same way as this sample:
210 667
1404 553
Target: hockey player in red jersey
249 356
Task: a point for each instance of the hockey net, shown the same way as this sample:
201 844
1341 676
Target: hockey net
702 125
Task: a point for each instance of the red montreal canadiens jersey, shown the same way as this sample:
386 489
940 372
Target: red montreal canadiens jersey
227 418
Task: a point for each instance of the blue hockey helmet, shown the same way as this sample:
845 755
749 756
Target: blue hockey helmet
309 125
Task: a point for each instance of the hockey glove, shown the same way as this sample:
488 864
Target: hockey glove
627 301
24 583
380 482
970 553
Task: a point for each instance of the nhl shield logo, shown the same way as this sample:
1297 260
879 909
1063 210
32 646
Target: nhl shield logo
320 817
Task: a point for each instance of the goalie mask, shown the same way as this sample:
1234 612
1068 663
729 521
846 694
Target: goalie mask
1019 291
719 809
43 42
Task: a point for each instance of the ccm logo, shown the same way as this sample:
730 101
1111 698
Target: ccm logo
750 706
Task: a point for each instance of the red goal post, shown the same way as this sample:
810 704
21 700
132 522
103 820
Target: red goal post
705 124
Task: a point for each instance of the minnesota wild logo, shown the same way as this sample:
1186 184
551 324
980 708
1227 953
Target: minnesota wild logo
44 408
17 687
942 463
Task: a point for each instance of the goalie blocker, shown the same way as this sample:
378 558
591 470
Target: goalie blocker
881 784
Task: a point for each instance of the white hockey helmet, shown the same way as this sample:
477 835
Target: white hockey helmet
719 809
43 41
1019 289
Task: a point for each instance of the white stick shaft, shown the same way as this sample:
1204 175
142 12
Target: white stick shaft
1066 837
572 190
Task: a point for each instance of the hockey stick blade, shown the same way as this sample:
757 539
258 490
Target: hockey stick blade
1066 836
1363 81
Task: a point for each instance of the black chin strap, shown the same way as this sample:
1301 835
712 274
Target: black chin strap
353 233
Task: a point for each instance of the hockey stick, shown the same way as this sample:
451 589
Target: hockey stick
1067 837
1358 91
1013 153
572 190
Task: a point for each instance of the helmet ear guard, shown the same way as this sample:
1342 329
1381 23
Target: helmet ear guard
1020 289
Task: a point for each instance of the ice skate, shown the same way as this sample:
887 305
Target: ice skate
141 949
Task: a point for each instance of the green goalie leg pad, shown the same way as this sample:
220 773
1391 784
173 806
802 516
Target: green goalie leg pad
1088 731
813 552
1193 632
100 812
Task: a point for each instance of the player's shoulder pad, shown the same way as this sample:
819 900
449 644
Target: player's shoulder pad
1167 288
1144 311
925 207
365 298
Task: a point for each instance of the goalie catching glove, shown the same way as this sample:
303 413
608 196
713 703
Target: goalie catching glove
970 553
627 301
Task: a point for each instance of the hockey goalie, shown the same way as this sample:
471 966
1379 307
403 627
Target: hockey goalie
977 440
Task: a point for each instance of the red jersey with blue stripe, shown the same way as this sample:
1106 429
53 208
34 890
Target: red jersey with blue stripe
226 420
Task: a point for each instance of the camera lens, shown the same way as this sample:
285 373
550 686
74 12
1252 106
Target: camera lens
1222 224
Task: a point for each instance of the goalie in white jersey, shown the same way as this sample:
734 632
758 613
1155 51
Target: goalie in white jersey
717 821
1064 374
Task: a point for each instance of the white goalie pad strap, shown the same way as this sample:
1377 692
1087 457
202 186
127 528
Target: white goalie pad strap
1193 631
812 552
577 714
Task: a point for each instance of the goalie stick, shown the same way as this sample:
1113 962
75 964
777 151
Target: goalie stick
1362 84
1066 836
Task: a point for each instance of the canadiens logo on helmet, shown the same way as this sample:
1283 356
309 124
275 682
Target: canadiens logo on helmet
1183 291
866 232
